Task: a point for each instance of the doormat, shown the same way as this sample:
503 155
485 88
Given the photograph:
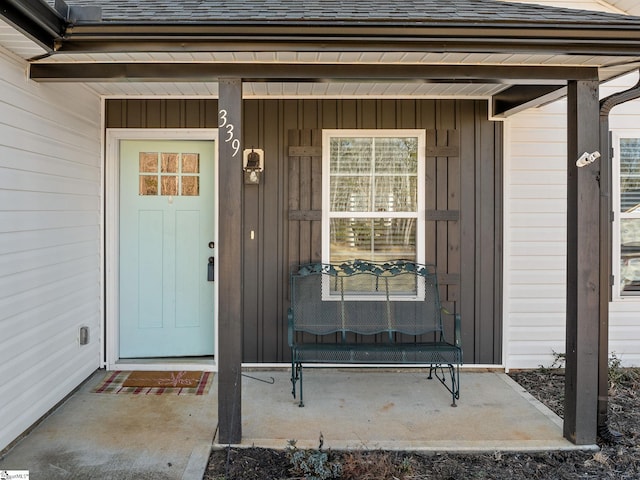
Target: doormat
156 383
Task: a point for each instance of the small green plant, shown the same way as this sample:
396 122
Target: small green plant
617 373
620 375
313 464
558 362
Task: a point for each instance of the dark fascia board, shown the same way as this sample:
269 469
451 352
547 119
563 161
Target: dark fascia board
35 19
518 97
616 39
296 72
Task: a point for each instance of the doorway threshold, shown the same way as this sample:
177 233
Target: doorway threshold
207 364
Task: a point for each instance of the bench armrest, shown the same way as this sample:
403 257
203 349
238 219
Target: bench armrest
457 335
290 325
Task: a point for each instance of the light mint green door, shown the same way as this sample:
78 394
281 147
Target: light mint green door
166 234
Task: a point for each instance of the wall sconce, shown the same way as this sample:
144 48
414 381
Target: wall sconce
253 165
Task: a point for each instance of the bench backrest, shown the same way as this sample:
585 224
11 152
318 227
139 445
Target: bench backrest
366 298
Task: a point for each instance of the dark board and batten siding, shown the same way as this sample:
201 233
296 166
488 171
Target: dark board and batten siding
463 203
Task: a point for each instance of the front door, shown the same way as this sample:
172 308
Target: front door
166 298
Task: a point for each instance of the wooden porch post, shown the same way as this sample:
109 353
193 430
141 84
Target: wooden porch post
583 251
229 257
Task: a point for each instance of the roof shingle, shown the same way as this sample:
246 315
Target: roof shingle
344 11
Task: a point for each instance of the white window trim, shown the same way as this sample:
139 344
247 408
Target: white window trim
616 250
420 215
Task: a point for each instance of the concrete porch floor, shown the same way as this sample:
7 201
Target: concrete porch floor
397 410
106 436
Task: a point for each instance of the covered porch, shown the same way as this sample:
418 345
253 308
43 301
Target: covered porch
507 66
97 435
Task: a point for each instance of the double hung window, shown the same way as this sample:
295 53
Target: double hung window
373 195
626 206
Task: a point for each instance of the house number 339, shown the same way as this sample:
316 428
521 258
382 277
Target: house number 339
229 135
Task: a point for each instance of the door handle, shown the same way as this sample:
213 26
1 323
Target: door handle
211 269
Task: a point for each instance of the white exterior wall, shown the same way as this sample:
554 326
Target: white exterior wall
50 243
535 236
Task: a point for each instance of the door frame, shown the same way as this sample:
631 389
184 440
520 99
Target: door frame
111 328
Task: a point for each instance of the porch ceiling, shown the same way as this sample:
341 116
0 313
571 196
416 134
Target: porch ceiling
632 7
608 64
521 84
608 67
299 90
92 44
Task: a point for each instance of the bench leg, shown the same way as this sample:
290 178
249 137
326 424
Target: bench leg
296 374
294 377
301 404
454 375
455 383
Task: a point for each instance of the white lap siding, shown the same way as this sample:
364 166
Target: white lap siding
50 247
535 238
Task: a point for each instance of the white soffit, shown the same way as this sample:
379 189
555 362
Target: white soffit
301 90
454 58
593 5
632 7
17 43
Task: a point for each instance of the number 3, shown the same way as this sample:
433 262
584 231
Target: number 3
229 133
223 118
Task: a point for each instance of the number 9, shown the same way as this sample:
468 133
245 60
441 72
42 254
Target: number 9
236 146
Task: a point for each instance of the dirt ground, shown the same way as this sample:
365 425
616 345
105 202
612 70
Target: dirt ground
620 460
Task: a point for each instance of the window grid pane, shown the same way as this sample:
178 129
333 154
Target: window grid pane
148 185
629 175
396 194
630 255
350 194
148 162
396 155
351 155
190 163
169 163
168 185
190 186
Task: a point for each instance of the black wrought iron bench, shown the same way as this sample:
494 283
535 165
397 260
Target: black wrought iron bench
394 307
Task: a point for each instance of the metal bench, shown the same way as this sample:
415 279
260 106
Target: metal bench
363 312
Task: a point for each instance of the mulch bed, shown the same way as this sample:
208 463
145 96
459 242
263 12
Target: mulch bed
614 461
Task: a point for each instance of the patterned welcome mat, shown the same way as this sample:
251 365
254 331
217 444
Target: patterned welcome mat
156 383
